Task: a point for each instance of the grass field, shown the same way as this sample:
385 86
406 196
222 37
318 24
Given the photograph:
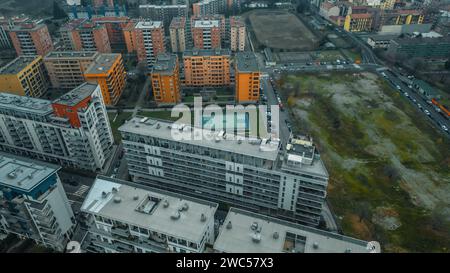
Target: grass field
281 30
115 124
389 169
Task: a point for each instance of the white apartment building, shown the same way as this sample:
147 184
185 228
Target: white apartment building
237 34
33 203
178 34
124 218
254 174
72 131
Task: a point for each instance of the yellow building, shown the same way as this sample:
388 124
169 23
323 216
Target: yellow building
166 79
361 22
247 78
108 71
24 76
387 4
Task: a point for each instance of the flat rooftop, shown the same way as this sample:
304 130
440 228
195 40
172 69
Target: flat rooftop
23 174
28 25
147 207
178 22
149 24
102 63
25 104
256 233
17 65
76 95
236 21
207 52
162 6
213 140
165 64
206 23
71 55
246 62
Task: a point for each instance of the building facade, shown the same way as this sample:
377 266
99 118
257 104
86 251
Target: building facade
249 173
31 38
66 68
5 26
72 131
209 7
124 218
247 77
85 35
359 22
108 71
33 203
206 34
164 13
178 34
114 28
165 78
237 34
150 41
430 48
204 68
248 232
24 76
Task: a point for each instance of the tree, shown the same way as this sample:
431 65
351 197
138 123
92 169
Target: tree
58 12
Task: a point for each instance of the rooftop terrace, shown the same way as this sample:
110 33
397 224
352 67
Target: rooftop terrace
71 54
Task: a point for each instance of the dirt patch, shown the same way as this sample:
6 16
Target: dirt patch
387 218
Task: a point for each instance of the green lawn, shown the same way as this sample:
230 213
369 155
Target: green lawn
117 123
165 115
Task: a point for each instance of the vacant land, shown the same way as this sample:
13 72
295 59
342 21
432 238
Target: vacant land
38 8
389 170
281 30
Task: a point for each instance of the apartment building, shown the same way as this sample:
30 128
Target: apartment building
72 131
5 25
221 25
399 17
24 76
247 232
209 7
150 41
247 77
178 34
31 38
108 71
164 13
359 22
165 78
66 68
33 203
254 174
207 67
126 218
206 34
129 35
85 35
114 28
237 34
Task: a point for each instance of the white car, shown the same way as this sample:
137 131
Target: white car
427 112
445 128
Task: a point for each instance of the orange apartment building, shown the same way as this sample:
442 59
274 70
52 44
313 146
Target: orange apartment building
207 67
247 77
206 34
108 71
82 34
149 41
165 78
31 38
114 28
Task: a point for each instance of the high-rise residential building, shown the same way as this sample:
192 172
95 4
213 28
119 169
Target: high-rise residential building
108 71
31 38
237 34
209 7
129 35
247 77
165 78
247 232
206 67
114 28
5 26
149 41
206 34
72 131
127 218
33 203
222 23
24 76
82 34
164 13
254 174
66 68
178 35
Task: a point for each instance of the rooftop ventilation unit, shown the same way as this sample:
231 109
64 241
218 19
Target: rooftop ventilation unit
117 199
166 204
175 215
276 235
114 190
315 245
136 197
256 237
254 226
104 194
203 217
229 225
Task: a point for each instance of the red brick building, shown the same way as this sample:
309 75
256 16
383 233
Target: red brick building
31 38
